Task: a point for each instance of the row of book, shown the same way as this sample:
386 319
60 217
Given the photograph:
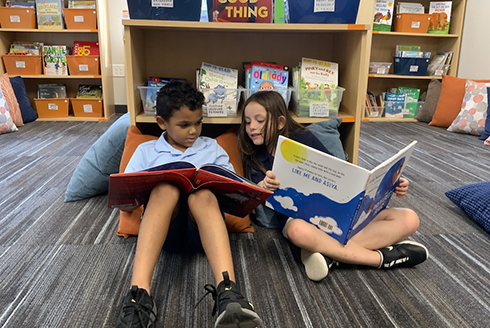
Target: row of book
439 11
72 4
397 102
85 91
407 51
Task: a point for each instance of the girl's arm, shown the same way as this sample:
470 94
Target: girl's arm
269 182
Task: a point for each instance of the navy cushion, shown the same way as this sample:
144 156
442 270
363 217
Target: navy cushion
474 200
28 114
91 176
327 132
486 133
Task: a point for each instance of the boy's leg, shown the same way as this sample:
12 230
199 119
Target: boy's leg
163 202
230 305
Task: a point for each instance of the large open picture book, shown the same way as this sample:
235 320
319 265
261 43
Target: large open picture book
338 197
236 195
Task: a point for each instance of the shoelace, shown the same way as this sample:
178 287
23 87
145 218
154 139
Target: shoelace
210 289
138 309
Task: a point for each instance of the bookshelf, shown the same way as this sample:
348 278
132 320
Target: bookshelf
176 49
66 37
383 48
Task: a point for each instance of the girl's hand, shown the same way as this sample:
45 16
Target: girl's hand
402 187
269 182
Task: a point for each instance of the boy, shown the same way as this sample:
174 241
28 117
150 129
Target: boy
179 222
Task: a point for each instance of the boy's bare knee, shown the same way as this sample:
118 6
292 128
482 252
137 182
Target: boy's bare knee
166 191
200 197
411 220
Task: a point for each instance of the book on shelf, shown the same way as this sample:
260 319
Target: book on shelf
236 195
338 197
49 14
219 86
411 102
85 48
440 17
89 91
409 7
154 85
267 76
49 91
258 11
409 54
394 104
82 4
383 15
26 48
402 47
54 58
21 4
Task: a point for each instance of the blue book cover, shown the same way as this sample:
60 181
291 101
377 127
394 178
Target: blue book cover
267 76
154 85
394 104
336 196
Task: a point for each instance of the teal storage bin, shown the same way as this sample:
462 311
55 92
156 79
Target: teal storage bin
303 11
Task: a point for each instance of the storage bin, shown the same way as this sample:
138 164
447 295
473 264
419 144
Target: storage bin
317 102
411 23
332 12
374 111
19 18
410 66
182 10
52 108
149 99
83 65
87 107
379 68
22 64
80 19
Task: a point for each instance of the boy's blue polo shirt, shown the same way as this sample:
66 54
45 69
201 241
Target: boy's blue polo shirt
158 152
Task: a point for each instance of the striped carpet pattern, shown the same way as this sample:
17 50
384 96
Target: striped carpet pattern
62 265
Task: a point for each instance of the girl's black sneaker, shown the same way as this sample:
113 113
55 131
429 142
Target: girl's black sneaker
138 310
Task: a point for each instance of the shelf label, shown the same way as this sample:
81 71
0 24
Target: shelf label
52 106
20 64
414 68
87 108
15 19
324 6
216 110
78 19
162 3
319 109
83 68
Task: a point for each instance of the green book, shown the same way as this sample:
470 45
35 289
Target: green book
412 98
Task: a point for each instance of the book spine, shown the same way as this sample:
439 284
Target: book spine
355 218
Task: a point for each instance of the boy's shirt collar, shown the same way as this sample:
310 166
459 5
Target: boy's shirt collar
163 146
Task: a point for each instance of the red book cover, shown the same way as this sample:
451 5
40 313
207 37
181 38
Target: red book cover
242 11
85 48
235 194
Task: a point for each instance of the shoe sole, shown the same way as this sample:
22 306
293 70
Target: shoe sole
315 265
235 316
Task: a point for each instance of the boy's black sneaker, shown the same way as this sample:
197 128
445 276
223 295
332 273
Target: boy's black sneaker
139 309
230 305
405 254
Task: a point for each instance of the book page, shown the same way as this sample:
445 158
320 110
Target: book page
380 187
317 187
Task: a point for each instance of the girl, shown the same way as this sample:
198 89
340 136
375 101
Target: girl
381 244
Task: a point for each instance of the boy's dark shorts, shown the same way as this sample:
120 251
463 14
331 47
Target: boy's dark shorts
183 233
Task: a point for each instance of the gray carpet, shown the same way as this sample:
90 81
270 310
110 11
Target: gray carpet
62 265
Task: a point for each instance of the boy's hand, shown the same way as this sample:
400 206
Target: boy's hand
402 187
269 182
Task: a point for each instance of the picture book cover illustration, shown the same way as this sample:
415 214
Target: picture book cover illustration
154 85
440 17
236 195
394 104
383 15
243 11
219 86
267 76
85 48
412 99
336 196
49 14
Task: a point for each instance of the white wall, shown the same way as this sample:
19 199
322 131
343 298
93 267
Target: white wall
116 8
474 61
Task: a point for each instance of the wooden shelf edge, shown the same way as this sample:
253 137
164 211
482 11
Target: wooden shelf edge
407 77
35 30
73 118
42 76
428 35
388 119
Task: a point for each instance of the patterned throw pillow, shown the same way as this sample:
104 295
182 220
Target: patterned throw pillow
11 100
471 118
6 122
473 199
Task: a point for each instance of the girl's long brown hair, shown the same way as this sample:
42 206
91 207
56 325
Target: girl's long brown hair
275 107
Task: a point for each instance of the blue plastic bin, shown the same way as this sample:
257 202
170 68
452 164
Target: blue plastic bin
303 11
182 10
410 66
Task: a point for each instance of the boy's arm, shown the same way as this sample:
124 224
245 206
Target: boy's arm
402 187
222 158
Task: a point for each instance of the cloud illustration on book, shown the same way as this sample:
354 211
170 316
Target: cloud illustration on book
286 202
327 224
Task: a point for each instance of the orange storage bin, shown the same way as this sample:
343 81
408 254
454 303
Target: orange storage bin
411 23
21 18
87 107
80 19
52 108
23 64
83 65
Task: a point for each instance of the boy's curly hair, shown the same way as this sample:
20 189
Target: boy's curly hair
174 95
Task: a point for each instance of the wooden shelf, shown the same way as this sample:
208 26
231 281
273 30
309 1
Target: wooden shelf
418 35
73 118
63 77
403 77
35 30
388 119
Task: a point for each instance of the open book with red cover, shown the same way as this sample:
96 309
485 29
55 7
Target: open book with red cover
236 195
